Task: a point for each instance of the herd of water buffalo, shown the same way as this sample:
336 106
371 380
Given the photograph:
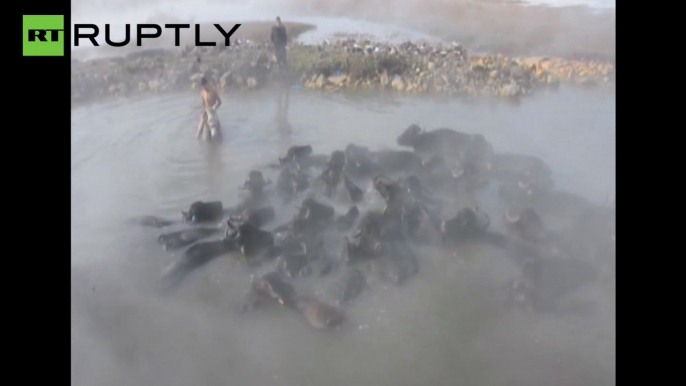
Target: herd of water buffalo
422 192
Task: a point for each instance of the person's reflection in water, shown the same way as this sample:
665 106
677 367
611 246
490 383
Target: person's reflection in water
213 156
282 124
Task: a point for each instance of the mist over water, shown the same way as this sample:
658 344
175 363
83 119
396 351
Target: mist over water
140 157
447 326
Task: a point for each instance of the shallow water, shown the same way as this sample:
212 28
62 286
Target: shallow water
445 327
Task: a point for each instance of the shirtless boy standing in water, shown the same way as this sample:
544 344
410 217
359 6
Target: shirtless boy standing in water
211 102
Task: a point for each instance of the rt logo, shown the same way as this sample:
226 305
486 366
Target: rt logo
43 35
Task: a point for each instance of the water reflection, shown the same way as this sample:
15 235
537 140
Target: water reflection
283 126
213 157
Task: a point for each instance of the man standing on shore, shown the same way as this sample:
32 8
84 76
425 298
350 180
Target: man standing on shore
279 39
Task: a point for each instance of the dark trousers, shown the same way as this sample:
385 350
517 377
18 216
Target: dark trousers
280 53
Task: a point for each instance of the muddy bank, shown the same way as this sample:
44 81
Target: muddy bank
331 66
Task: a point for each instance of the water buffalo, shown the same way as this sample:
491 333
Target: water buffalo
319 314
350 285
422 225
394 195
270 287
315 212
527 225
362 250
252 241
413 185
312 217
397 264
346 221
523 187
469 177
258 217
520 294
359 163
439 174
255 183
151 221
313 161
185 237
257 197
373 227
334 177
422 195
334 168
293 263
468 224
291 181
195 257
200 212
355 193
389 270
397 161
407 209
447 142
295 154
508 166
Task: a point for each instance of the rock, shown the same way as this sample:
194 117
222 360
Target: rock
535 61
553 81
586 81
321 81
540 73
383 78
195 79
338 80
477 67
427 68
224 80
398 83
517 72
153 85
509 90
251 83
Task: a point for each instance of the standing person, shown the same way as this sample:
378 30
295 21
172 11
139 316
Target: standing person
211 101
279 39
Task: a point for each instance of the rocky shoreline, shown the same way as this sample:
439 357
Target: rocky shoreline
348 64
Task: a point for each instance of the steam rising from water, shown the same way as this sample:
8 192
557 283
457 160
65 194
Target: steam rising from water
140 157
446 327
